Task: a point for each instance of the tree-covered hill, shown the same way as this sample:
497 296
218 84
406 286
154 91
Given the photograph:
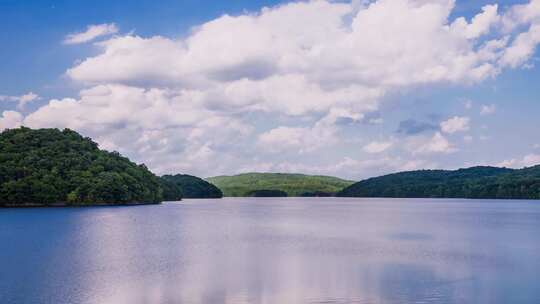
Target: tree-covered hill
53 167
171 191
476 182
292 184
189 187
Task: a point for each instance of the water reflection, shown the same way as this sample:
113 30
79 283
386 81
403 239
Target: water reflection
274 251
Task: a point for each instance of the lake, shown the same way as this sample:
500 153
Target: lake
286 250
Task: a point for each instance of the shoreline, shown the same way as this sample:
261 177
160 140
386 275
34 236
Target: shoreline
76 205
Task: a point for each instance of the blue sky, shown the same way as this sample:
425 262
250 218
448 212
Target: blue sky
297 86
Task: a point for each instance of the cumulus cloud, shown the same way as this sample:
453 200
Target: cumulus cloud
92 32
161 127
299 139
527 161
21 100
488 109
522 48
306 139
455 124
521 14
10 120
378 146
479 25
282 40
436 144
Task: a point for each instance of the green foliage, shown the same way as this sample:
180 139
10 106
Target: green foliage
317 194
292 184
53 167
171 191
476 182
267 193
191 187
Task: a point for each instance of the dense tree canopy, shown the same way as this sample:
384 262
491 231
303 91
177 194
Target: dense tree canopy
53 167
171 191
267 193
292 184
190 187
476 182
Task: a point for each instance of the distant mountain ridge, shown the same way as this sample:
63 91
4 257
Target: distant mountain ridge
242 185
476 182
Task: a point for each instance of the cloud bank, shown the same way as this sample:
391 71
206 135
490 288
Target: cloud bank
225 95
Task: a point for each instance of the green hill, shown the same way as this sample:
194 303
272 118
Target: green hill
171 191
292 184
475 182
53 167
188 186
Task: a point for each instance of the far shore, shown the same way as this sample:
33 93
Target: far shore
76 205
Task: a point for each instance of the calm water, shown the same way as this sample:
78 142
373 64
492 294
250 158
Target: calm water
275 251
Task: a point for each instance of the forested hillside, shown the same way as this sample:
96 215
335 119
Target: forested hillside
53 167
291 184
188 186
476 182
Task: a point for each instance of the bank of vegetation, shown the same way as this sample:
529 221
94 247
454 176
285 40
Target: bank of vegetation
53 167
294 185
188 186
475 183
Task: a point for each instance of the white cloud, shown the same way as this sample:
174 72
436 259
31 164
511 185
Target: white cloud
455 124
21 100
378 146
522 48
527 161
305 139
521 14
441 52
92 32
299 139
10 120
164 128
278 60
488 109
480 24
436 144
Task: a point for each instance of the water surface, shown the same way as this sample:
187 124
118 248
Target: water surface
285 250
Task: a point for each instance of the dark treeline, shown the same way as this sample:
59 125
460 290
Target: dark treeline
53 167
188 186
267 193
476 182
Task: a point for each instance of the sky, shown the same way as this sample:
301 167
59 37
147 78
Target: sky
353 89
